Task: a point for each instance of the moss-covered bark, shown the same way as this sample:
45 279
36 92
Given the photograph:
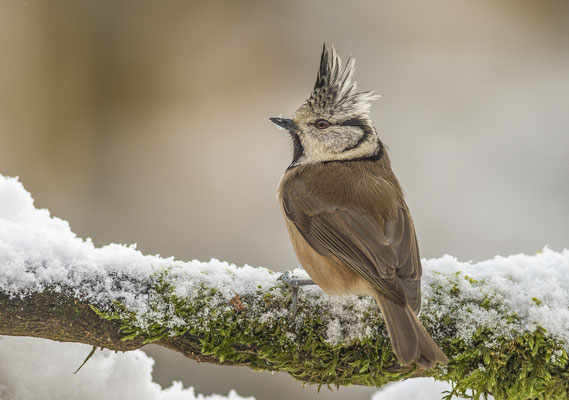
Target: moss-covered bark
254 331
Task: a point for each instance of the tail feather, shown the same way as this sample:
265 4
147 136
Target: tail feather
411 342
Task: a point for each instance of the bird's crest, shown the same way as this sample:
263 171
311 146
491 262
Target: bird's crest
335 89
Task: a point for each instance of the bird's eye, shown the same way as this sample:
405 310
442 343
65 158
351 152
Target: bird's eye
322 124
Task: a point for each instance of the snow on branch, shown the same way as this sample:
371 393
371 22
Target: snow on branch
504 323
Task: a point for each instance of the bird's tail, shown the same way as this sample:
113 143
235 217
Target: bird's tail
409 339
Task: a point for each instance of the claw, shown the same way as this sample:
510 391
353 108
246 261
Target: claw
295 284
288 280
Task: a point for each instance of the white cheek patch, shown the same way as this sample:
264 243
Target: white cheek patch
314 149
337 139
317 150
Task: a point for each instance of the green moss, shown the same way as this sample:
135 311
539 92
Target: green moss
520 365
514 365
454 290
531 366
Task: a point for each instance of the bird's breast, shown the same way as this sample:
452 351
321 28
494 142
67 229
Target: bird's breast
328 272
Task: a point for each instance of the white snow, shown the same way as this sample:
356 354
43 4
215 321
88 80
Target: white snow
417 388
38 251
40 369
536 288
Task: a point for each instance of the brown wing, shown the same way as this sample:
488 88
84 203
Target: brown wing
388 258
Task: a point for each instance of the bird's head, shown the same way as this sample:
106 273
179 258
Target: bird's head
334 123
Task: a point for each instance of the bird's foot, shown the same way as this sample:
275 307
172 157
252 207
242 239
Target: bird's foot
295 284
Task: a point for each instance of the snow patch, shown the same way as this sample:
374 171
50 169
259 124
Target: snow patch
40 369
417 388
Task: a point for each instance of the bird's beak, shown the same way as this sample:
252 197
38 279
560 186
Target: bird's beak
284 123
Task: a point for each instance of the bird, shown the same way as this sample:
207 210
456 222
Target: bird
345 211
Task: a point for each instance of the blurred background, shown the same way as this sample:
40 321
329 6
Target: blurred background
147 122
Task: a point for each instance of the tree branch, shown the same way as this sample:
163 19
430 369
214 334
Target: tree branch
233 335
332 341
503 323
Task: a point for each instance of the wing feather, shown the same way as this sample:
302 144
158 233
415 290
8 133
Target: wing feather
382 256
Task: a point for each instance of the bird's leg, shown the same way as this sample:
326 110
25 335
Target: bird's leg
295 284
